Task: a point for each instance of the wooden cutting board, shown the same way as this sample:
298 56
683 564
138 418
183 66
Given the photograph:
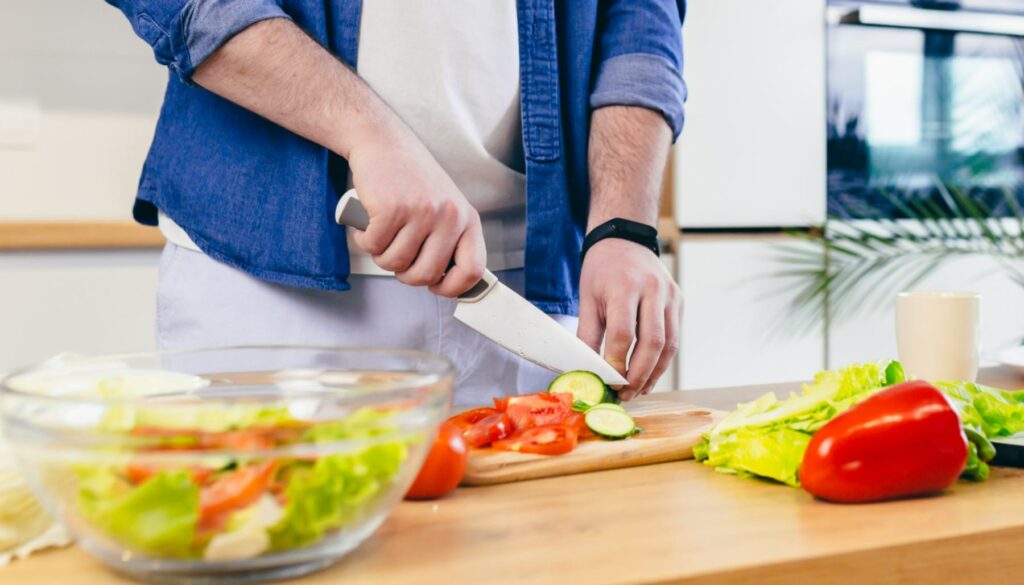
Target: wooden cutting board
671 429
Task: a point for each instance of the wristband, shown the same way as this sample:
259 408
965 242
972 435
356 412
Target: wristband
624 229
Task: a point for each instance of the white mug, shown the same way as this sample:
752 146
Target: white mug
938 334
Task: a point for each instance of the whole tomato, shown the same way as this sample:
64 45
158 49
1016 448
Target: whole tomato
444 466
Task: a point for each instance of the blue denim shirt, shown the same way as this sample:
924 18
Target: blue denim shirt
260 198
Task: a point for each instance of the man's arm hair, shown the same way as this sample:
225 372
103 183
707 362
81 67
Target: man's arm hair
276 70
627 154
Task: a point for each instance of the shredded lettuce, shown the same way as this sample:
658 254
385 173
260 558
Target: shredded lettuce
985 413
334 492
211 417
158 517
768 437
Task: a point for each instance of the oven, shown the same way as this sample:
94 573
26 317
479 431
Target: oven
924 98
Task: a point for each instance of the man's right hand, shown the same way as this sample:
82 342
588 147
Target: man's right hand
419 220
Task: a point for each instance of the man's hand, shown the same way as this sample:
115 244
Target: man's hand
419 219
626 294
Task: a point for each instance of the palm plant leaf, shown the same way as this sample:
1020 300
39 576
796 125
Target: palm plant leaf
854 267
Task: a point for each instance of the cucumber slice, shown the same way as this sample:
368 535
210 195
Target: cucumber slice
585 387
610 423
609 406
610 396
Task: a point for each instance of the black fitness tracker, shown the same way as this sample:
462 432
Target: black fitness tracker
623 229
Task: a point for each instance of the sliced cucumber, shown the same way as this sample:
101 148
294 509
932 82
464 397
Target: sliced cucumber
585 387
608 405
610 423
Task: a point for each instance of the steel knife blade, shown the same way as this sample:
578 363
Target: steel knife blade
506 318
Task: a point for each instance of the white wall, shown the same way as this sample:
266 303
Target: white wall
871 335
79 97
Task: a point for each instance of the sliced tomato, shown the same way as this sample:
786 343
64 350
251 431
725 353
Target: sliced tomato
542 440
466 420
233 491
248 440
577 422
535 410
140 472
501 403
490 429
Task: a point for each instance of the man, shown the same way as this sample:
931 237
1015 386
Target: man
493 132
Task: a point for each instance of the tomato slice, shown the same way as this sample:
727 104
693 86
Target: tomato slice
542 440
467 419
490 429
535 410
139 472
233 491
577 422
501 403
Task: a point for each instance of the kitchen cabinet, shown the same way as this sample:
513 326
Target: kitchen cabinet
88 302
737 326
752 153
871 334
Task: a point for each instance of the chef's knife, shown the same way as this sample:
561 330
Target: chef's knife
501 315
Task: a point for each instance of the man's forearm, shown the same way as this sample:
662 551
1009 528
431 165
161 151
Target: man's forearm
275 70
627 153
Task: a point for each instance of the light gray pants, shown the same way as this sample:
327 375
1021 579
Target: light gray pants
203 303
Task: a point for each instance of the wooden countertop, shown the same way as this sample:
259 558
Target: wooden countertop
671 523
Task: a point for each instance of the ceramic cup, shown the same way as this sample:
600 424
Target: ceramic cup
938 334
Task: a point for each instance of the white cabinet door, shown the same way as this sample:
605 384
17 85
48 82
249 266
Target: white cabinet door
753 149
735 325
871 334
80 302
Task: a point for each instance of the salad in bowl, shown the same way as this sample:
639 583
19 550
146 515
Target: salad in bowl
233 464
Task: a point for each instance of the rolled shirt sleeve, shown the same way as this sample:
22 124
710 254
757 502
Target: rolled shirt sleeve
184 33
641 58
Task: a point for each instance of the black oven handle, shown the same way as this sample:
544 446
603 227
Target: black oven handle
906 17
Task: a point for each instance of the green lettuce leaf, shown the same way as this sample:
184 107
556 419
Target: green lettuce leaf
334 491
157 518
337 489
768 437
210 417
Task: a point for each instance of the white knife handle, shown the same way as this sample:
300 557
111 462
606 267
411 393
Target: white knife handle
351 212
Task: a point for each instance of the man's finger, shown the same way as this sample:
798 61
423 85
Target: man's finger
620 330
470 261
404 248
432 261
379 234
591 325
673 325
650 340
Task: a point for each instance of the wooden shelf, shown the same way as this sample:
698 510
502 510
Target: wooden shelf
77 235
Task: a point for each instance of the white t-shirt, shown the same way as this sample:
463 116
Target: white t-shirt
450 71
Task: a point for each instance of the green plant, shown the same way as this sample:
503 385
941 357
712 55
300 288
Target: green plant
855 266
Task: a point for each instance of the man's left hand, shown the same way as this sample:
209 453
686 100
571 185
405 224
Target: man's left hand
627 294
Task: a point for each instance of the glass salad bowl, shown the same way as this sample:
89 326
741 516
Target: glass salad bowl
233 464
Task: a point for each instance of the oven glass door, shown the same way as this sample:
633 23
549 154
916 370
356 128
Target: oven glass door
916 113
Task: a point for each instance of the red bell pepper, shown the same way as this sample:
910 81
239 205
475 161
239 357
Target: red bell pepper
906 440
